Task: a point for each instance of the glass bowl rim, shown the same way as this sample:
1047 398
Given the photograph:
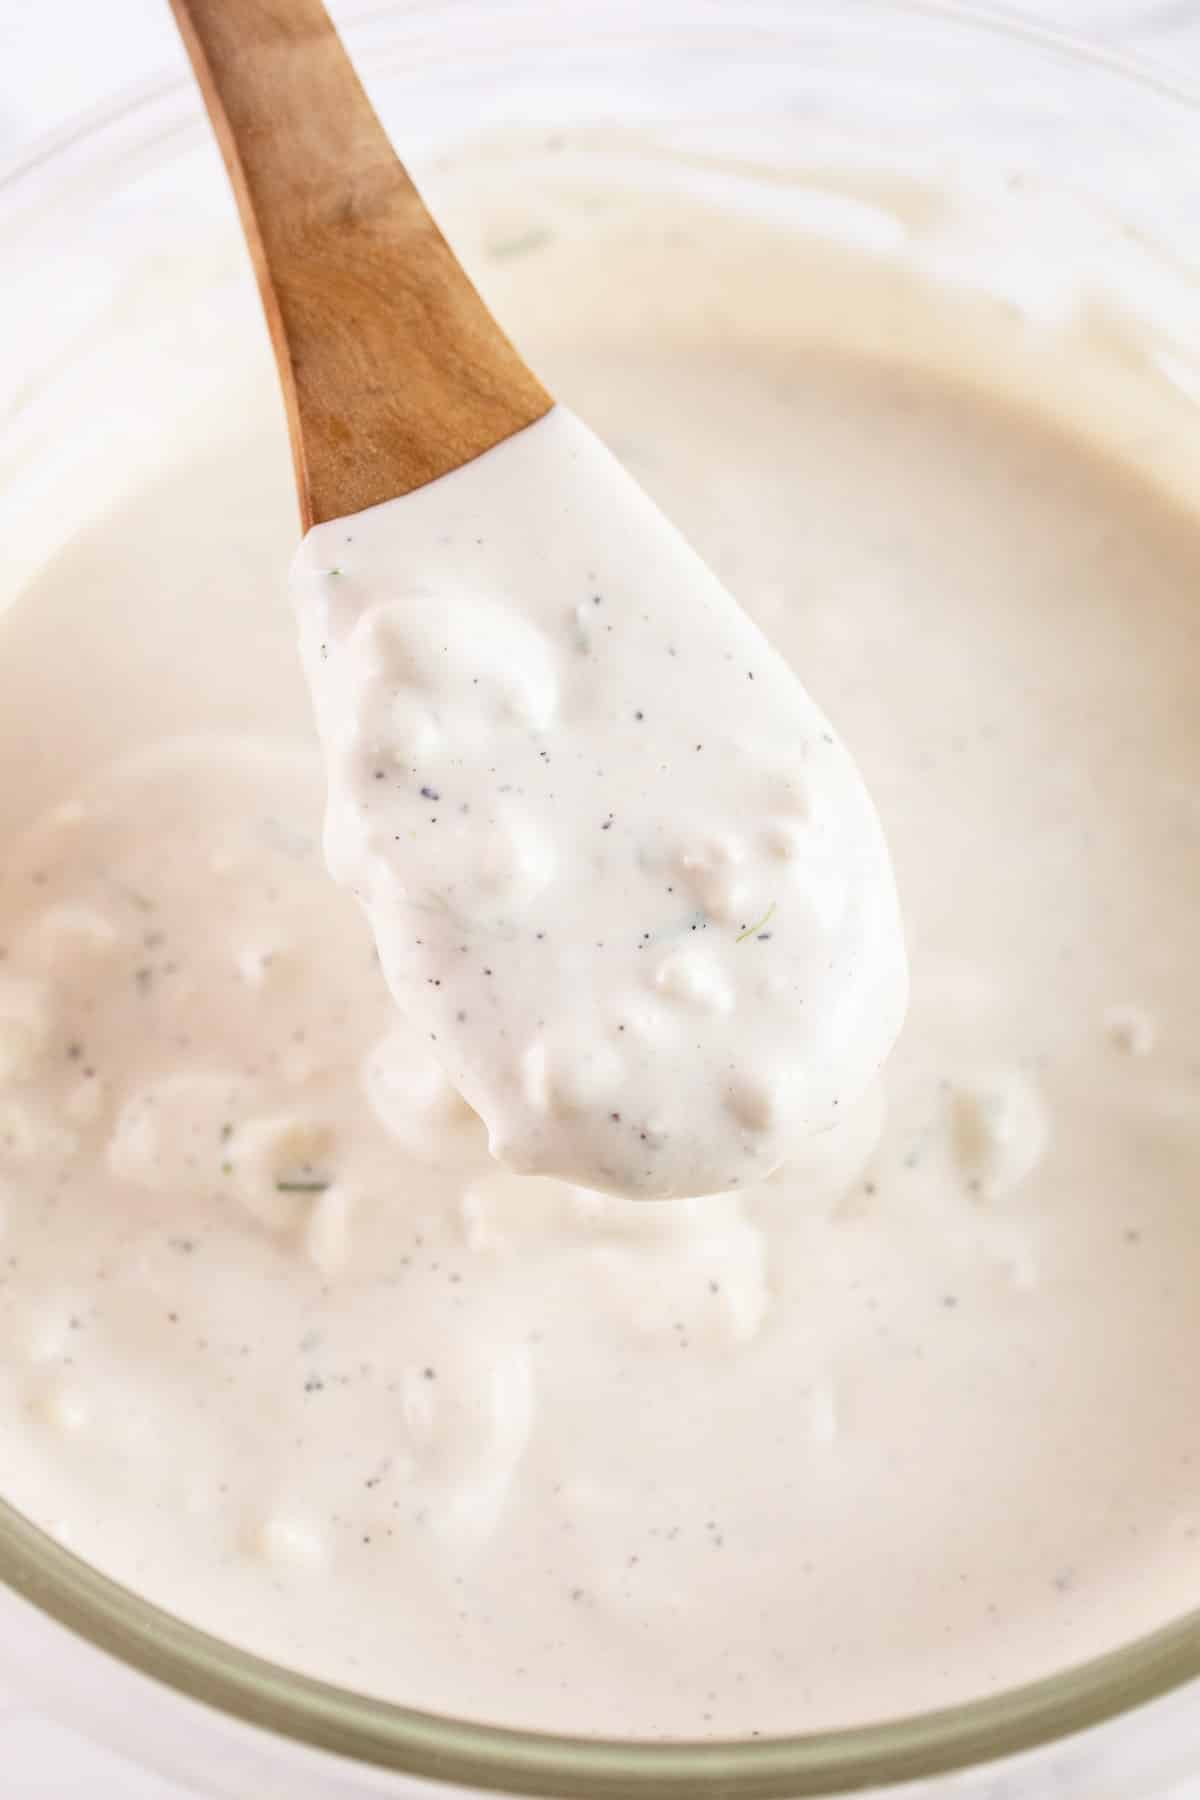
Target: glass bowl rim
114 1619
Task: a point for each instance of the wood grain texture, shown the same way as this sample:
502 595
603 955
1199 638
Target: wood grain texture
393 370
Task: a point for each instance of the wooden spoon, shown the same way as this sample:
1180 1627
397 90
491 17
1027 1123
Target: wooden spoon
393 370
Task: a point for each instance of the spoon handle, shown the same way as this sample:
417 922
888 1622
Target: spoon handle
393 370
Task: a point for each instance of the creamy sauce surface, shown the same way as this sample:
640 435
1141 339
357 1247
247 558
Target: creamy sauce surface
282 1346
622 875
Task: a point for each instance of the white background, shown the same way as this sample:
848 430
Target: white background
59 57
62 57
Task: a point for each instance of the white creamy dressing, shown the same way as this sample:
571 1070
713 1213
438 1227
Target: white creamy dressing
285 1350
620 872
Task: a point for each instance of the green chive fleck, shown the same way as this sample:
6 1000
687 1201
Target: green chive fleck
765 920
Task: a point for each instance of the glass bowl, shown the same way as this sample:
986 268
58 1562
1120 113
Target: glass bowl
123 263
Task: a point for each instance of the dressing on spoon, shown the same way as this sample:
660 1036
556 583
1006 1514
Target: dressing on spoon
620 872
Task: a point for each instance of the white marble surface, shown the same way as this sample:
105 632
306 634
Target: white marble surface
62 57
